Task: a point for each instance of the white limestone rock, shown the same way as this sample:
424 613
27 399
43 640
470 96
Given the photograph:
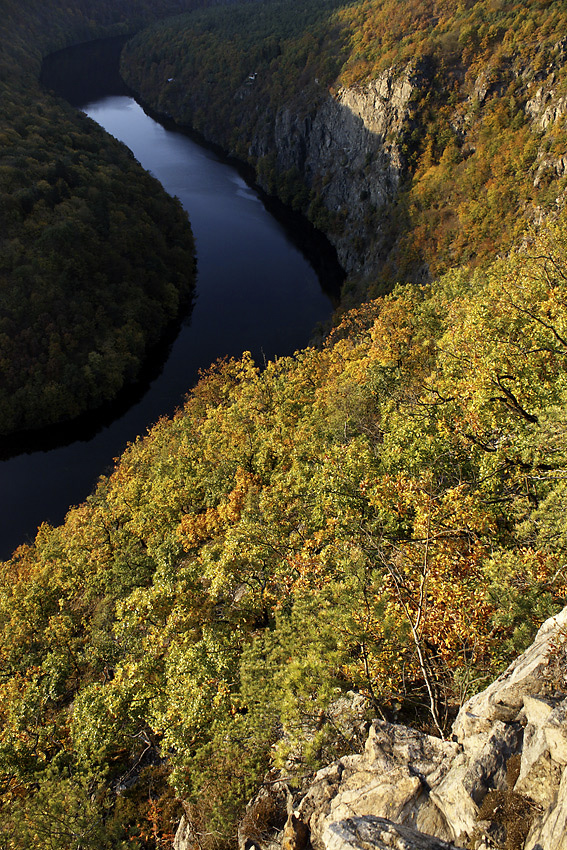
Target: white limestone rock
550 831
391 779
510 740
504 698
372 833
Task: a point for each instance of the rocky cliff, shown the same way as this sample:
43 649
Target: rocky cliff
337 156
499 782
348 148
425 164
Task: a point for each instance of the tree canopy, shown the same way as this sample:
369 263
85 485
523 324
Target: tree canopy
95 259
381 517
377 521
482 146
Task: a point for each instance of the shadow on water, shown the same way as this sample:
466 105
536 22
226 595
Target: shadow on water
313 244
89 72
85 72
85 427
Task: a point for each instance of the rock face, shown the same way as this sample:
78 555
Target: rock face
345 146
344 157
500 782
348 147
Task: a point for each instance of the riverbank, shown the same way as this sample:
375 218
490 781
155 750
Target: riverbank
258 293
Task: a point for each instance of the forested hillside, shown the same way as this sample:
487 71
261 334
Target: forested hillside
372 528
383 516
478 150
95 259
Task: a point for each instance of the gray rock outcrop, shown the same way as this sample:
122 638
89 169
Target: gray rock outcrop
345 146
348 145
378 834
500 782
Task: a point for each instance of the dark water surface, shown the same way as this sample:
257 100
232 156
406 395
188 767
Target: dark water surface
256 291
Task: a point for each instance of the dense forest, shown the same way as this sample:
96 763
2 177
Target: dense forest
482 145
373 527
381 517
95 259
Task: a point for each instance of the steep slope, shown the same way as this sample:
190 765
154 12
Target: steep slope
418 135
383 517
95 260
377 524
499 782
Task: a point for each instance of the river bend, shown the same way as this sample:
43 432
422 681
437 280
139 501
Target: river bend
256 291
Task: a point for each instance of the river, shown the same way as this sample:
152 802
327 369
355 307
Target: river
256 290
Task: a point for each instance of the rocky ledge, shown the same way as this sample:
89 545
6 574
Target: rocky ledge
499 782
348 146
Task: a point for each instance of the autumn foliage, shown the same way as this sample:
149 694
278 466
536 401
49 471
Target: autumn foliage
379 519
480 157
382 516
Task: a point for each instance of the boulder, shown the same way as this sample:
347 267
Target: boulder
372 833
390 779
549 832
504 698
500 782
